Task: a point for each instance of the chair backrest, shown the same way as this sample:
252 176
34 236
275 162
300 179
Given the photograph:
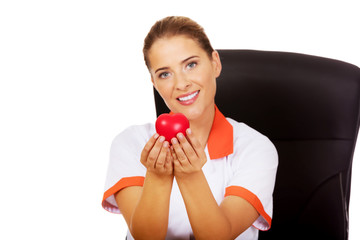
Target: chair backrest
310 108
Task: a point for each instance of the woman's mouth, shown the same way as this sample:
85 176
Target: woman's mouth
188 99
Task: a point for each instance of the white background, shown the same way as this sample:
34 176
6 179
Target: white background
72 77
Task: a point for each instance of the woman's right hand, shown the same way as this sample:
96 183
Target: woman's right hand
151 202
156 156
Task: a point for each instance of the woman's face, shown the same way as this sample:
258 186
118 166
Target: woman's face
184 75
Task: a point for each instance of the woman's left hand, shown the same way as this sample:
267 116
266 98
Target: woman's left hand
188 154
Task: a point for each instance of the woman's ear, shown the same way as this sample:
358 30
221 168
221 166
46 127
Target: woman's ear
216 63
153 83
152 80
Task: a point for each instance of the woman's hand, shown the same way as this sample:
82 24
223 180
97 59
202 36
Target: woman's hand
188 154
151 202
156 156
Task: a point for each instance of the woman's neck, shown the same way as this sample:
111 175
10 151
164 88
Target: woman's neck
201 127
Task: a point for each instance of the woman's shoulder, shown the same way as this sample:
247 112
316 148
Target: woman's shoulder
243 130
135 133
244 135
143 128
248 141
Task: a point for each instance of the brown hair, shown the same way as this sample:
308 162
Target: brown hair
173 26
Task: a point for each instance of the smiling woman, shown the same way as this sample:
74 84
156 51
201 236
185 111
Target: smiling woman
220 192
190 83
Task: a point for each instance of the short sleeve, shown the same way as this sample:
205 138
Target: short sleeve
254 166
125 168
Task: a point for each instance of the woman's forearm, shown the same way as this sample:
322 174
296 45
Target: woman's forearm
150 216
206 217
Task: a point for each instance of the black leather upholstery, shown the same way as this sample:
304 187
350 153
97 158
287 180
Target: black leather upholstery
309 107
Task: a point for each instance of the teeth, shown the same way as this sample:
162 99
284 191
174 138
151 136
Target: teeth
189 97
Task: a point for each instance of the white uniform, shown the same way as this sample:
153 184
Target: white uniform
240 162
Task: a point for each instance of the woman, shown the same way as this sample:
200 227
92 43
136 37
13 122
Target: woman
214 183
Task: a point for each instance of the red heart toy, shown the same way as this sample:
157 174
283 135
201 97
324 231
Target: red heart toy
168 125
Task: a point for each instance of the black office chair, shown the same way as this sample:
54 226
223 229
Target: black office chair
310 108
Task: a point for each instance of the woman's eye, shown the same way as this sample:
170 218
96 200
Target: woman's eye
164 75
191 65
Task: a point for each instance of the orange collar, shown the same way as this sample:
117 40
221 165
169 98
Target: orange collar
220 143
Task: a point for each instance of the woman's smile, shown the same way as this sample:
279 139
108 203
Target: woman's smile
188 99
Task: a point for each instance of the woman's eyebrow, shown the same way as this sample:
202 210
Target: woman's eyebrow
183 61
163 68
189 58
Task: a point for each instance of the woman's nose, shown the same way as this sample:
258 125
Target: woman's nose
182 83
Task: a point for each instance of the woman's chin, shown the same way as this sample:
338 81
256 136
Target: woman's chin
193 114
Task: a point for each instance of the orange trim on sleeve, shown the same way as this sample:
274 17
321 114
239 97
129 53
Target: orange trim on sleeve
123 183
251 198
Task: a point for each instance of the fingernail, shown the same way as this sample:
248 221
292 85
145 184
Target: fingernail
156 136
188 131
180 136
174 141
162 138
166 144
